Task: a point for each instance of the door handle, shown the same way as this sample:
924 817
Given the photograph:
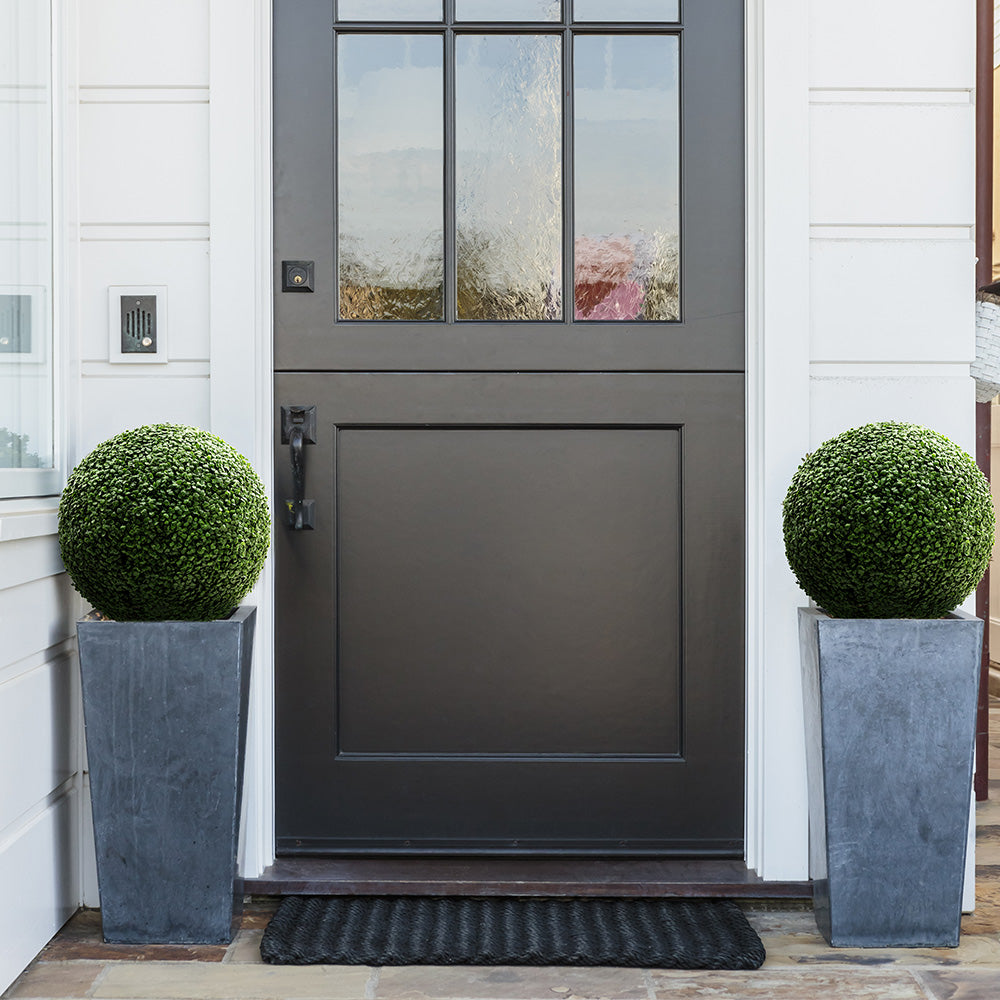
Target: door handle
298 428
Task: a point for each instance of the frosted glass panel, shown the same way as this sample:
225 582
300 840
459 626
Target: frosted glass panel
390 177
389 10
508 177
26 398
626 257
626 10
508 10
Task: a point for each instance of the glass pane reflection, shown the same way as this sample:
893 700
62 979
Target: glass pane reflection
390 177
508 198
626 10
627 157
389 10
26 397
508 10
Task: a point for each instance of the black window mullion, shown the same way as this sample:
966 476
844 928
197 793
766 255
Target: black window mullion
335 180
569 286
450 207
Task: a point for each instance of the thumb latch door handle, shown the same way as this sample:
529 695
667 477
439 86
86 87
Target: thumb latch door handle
298 428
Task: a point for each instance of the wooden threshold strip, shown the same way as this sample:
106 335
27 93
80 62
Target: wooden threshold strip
298 876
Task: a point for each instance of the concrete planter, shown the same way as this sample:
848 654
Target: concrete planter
165 707
890 713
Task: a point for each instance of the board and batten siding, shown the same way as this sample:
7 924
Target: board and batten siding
143 122
892 270
40 737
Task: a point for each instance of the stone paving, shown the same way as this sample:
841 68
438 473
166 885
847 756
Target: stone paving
799 966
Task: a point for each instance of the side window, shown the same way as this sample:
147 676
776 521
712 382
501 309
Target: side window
28 446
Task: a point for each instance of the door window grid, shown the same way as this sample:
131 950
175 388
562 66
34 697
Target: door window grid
624 271
459 11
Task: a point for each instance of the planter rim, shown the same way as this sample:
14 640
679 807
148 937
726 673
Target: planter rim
958 615
239 614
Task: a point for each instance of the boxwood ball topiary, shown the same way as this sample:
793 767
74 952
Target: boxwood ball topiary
889 520
164 523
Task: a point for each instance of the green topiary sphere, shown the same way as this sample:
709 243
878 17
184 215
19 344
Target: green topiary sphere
164 523
889 520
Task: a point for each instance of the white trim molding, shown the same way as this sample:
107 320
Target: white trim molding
777 426
240 324
777 397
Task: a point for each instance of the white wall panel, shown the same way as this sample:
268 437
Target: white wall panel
38 729
28 559
892 300
116 404
158 42
927 44
180 265
942 403
142 163
39 872
892 164
24 45
35 616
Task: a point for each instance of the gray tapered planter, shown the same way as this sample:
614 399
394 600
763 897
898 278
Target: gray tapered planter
165 706
890 708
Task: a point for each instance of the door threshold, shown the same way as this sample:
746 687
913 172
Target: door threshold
518 876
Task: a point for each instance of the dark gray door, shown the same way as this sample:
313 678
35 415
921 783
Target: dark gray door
516 622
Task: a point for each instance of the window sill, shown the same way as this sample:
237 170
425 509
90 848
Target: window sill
30 518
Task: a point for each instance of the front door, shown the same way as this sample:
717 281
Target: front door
509 343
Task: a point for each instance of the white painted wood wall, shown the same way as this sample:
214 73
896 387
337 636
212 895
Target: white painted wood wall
143 119
40 738
886 331
892 212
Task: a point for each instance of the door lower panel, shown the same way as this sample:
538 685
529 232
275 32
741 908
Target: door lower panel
511 638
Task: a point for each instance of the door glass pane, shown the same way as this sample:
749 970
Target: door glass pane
390 177
508 177
26 399
508 10
626 10
627 159
389 10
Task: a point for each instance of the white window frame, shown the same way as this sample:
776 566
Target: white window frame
18 484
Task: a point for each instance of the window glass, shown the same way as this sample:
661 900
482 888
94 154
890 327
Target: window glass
390 170
626 177
26 369
508 10
509 177
389 10
626 10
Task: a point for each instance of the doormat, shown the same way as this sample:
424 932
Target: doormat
463 930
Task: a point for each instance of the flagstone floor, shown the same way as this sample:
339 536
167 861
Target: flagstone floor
799 966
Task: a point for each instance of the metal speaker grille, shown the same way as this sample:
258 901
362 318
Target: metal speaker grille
138 324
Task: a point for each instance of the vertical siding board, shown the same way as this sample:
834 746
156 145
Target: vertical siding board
35 617
40 731
39 872
38 728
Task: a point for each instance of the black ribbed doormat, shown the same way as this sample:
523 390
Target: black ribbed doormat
463 930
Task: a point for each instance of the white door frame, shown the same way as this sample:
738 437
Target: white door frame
777 401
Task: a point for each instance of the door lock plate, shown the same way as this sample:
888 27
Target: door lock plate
298 275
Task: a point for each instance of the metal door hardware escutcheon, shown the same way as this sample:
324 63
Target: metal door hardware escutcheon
298 428
297 275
